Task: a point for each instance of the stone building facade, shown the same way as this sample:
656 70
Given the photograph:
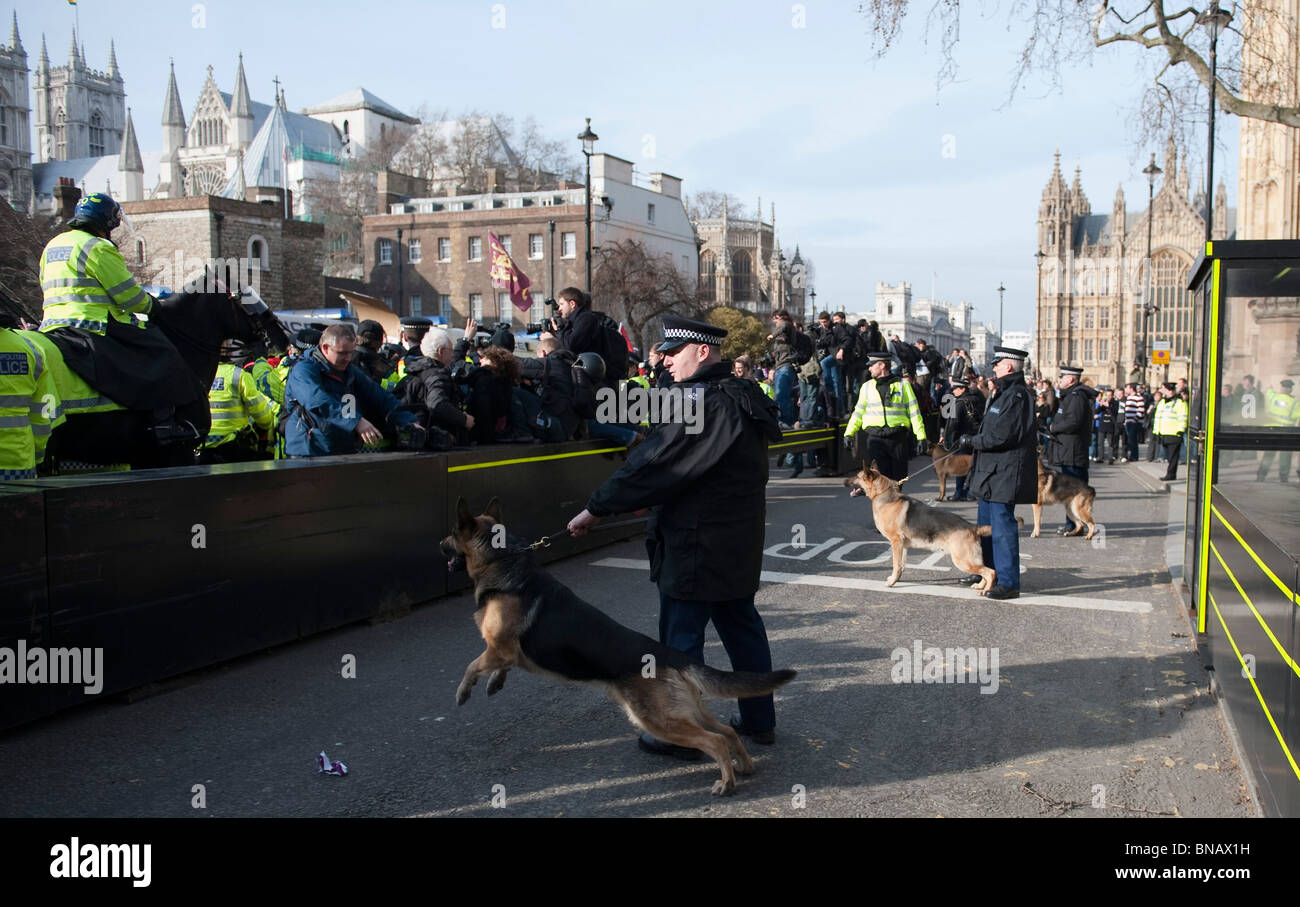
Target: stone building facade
1268 173
741 265
250 242
80 112
15 131
942 325
1092 275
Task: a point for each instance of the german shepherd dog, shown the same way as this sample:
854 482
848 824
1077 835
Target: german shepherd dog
530 620
948 464
1077 496
908 523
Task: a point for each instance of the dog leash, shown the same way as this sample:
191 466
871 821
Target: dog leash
933 464
545 541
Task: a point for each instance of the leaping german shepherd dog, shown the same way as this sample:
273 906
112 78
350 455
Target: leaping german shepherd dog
1077 496
530 620
908 523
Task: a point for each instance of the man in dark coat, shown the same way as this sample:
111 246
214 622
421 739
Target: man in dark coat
965 412
705 535
429 383
1003 473
1071 430
550 378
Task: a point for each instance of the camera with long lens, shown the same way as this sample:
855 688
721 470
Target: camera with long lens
538 327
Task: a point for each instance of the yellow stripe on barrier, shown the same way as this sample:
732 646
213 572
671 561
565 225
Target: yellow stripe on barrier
1207 451
1259 617
1258 694
578 453
804 431
798 443
1267 572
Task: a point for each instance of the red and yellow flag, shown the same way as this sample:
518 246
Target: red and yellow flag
507 276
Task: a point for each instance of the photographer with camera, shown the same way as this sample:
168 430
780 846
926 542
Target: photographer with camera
581 330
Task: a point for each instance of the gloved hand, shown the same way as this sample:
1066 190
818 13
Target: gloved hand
964 444
848 440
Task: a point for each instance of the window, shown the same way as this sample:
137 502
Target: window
507 244
417 305
385 251
444 307
60 136
568 245
444 248
96 135
741 277
708 268
1103 318
1087 351
4 125
1103 350
257 252
1074 319
476 306
476 248
538 311
1051 319
534 245
388 301
650 212
1088 317
503 307
1074 351
413 253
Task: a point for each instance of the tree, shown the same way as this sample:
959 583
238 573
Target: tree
746 332
632 285
1062 32
22 239
706 204
341 206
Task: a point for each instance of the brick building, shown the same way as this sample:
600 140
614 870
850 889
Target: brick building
174 238
430 256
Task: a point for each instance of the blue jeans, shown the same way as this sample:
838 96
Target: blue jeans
786 382
1131 435
1002 549
740 627
832 378
610 432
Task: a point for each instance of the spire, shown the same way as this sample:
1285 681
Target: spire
1171 161
1075 188
241 184
44 64
112 61
1055 187
173 115
129 160
241 105
72 50
15 42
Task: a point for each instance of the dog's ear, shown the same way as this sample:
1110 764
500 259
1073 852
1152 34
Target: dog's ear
464 519
874 468
494 510
865 467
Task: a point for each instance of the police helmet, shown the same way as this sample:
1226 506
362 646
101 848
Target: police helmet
99 209
593 365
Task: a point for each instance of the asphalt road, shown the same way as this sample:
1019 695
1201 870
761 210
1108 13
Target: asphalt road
1098 706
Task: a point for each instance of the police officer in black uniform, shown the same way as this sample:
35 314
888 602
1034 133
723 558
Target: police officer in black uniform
1003 472
965 413
1071 430
414 327
705 536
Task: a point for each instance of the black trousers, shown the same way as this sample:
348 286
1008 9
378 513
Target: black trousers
891 455
137 368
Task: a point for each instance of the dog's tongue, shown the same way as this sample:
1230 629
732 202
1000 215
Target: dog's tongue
856 492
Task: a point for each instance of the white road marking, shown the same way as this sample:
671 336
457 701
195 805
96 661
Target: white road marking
906 588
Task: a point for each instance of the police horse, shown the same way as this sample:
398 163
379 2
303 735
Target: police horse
99 432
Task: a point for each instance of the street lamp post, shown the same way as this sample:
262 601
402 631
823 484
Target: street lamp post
1038 307
1151 171
588 139
1216 20
1001 290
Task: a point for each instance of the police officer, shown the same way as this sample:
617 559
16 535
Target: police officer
705 535
1003 472
238 407
1281 410
1169 425
966 412
890 415
30 406
1070 431
91 304
370 336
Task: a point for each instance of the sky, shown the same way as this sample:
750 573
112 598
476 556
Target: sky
876 173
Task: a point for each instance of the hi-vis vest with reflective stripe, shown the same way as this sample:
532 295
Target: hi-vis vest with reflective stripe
1171 417
900 409
85 282
1282 409
29 406
235 401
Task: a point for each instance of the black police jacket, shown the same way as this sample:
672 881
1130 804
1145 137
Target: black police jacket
428 383
1071 428
551 378
967 414
705 537
1004 470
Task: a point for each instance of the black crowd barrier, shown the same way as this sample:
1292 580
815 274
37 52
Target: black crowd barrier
171 570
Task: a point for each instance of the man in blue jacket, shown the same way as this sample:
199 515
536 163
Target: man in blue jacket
331 406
